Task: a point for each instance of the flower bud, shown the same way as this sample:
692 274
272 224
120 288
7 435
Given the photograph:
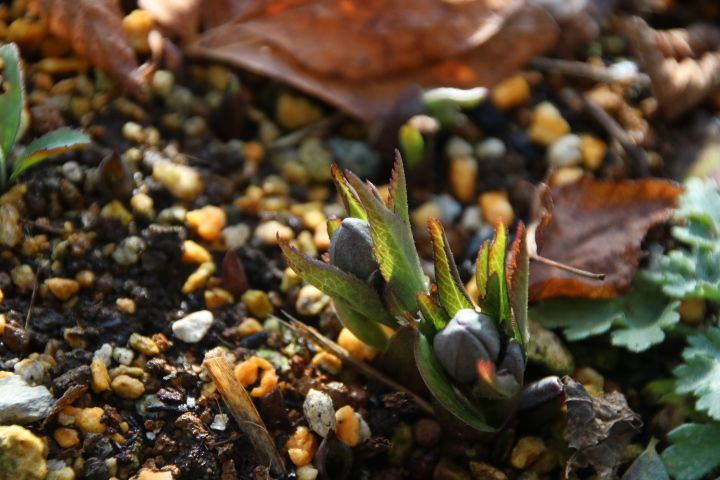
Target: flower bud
351 248
470 336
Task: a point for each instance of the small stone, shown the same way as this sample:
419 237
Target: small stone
66 437
548 125
593 151
526 451
163 82
20 403
235 236
143 344
115 210
319 412
129 250
11 232
195 253
32 371
311 301
100 376
426 432
511 92
490 149
122 355
142 205
62 288
268 232
182 181
565 152
463 177
485 471
216 298
23 456
495 205
207 222
294 111
193 327
257 303
127 387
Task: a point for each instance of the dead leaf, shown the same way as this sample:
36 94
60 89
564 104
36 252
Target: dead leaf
360 55
94 29
598 428
598 226
683 64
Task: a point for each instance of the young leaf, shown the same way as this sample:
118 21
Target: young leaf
397 198
349 198
700 374
432 312
453 296
518 270
12 101
693 453
356 298
648 466
52 143
442 389
394 246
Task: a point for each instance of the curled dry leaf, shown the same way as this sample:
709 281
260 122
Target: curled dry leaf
598 226
683 63
360 55
94 29
598 428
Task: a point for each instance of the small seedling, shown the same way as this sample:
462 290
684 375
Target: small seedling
470 356
12 103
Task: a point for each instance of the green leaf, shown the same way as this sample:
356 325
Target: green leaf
694 451
52 143
700 374
394 246
12 101
648 466
453 296
358 303
349 198
518 272
442 389
432 312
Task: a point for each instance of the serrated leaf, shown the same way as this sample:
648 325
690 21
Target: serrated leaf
700 374
13 100
393 245
453 295
397 191
360 304
694 451
52 143
442 389
518 271
349 198
648 466
432 312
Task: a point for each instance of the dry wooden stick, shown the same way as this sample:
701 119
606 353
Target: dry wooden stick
243 410
325 343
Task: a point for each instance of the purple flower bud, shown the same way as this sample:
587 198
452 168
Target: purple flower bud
351 248
470 336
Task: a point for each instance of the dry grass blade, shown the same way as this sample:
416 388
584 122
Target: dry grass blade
319 339
243 410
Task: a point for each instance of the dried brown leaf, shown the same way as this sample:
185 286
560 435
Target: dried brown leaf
683 64
598 428
598 226
94 29
361 55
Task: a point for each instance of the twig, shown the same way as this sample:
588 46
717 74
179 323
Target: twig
318 338
593 72
636 155
243 410
567 268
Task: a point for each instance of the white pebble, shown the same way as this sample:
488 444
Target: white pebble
319 412
192 328
122 355
565 152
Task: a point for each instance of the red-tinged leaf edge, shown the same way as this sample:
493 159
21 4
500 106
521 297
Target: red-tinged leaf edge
517 274
349 198
452 293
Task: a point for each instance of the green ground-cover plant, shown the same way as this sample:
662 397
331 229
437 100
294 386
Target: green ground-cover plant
14 161
640 319
470 357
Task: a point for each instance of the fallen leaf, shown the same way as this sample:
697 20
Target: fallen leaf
683 63
598 428
360 56
598 226
94 29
